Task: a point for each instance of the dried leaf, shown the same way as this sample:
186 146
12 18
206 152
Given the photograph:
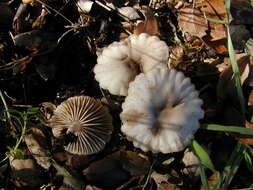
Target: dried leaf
26 173
162 182
133 163
149 25
37 145
195 21
192 21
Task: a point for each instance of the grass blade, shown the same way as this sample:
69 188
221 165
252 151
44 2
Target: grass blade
233 164
202 155
236 72
228 128
203 177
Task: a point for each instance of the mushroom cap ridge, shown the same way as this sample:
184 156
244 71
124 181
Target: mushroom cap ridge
87 119
122 61
161 111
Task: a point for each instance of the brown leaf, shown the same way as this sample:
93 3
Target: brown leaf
37 146
194 21
149 25
106 173
133 163
162 182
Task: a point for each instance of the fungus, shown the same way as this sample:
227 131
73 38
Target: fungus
122 61
87 119
161 111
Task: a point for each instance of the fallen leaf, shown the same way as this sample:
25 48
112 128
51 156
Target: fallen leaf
68 178
194 21
149 25
162 182
38 152
26 173
37 145
106 173
113 170
133 163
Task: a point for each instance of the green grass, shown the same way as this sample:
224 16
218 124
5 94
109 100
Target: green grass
240 151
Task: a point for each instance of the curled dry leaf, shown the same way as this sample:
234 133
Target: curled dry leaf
194 21
149 25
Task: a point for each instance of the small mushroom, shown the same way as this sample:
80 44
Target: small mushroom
87 119
161 111
121 62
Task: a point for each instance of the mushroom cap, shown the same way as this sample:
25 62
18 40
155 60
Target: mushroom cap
121 62
161 111
87 119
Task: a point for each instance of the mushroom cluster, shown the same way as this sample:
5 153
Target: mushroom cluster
161 111
122 61
87 119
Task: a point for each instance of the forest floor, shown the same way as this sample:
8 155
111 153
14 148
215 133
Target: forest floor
48 51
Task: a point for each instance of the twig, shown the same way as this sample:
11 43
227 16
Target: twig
149 174
57 12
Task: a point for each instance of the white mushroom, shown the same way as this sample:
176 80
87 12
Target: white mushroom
87 119
161 111
121 62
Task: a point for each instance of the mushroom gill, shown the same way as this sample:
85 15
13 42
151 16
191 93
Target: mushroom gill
85 118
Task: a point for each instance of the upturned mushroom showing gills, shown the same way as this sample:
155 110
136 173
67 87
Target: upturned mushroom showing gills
87 119
122 61
161 112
